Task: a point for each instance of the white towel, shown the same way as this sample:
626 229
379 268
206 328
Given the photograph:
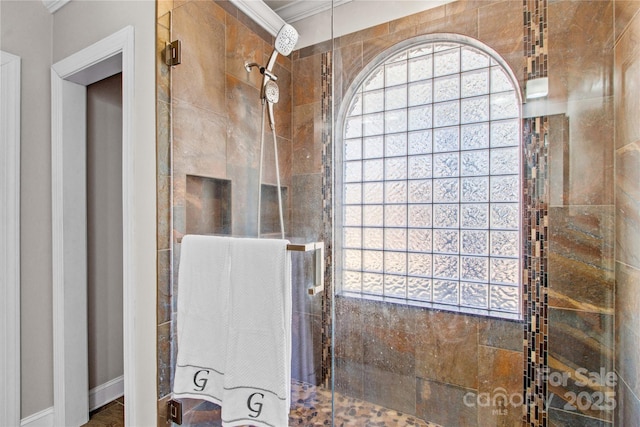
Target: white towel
234 327
257 382
202 319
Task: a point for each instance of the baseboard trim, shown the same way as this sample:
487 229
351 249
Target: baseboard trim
105 393
98 397
43 418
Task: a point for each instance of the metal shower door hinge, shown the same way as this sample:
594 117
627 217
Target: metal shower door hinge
173 53
175 411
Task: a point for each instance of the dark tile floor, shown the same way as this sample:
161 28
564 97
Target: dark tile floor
109 415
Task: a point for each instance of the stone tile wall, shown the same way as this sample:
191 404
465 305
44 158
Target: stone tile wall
580 270
311 177
627 210
438 366
163 188
576 255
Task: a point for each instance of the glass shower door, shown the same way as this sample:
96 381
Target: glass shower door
209 114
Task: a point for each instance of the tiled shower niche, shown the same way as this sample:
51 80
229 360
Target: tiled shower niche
269 210
208 205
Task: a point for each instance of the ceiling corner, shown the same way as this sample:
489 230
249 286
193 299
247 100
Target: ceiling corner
54 5
293 11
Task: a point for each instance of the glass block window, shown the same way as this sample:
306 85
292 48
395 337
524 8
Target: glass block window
430 188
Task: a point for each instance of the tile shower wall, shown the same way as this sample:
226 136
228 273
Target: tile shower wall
435 365
415 360
310 167
581 214
208 114
627 210
428 372
163 188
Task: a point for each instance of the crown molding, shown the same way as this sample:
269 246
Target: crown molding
262 14
54 5
300 9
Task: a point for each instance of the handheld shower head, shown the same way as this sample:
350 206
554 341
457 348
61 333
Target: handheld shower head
272 96
271 92
285 42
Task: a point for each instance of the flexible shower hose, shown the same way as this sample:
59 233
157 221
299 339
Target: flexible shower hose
275 151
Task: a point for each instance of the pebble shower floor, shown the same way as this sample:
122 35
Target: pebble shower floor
311 406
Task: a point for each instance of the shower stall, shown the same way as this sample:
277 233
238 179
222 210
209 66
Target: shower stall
457 163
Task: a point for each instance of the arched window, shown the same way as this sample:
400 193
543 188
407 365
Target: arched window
429 181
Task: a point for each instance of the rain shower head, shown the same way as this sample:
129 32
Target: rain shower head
285 42
286 39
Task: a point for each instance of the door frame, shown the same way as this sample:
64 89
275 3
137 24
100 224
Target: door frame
69 78
10 392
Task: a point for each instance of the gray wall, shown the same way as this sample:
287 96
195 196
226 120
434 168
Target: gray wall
104 229
22 23
40 39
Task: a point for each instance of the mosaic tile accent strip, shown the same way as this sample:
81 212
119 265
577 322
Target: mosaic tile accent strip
327 216
536 199
535 38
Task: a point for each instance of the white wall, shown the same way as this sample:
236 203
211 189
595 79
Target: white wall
40 39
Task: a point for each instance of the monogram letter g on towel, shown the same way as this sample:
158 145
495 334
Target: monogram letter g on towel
255 413
200 383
